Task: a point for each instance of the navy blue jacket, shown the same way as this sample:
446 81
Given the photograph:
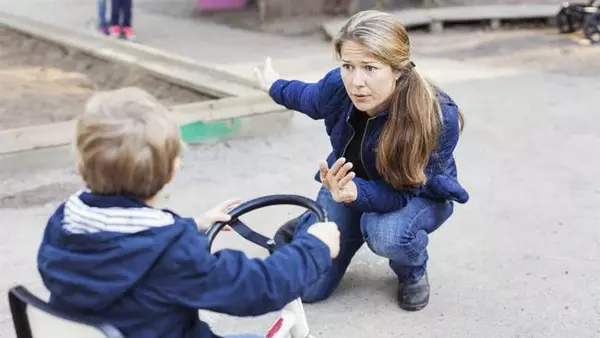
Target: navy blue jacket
148 271
327 99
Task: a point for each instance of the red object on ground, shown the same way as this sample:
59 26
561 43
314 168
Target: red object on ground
278 324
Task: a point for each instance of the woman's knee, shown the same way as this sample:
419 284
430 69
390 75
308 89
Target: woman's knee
403 235
393 238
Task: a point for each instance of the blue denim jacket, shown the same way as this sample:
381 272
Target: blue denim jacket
328 100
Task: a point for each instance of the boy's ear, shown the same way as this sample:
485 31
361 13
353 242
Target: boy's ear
175 168
79 167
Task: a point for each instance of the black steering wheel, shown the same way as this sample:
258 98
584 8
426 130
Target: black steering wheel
258 203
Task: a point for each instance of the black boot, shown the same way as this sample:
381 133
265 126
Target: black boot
414 296
286 232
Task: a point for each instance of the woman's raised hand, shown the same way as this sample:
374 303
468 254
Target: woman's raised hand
338 180
267 75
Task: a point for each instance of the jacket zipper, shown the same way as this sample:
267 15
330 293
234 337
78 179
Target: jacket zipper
361 148
351 137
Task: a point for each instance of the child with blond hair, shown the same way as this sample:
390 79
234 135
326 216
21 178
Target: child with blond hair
109 253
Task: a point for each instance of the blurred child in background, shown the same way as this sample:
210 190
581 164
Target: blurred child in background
120 19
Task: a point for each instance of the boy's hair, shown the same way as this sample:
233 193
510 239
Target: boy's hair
126 143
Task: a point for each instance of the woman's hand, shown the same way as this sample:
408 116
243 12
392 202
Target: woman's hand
217 214
267 76
338 180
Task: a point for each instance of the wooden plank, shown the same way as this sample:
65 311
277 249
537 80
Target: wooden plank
62 133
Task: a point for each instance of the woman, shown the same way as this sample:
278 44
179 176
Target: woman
391 177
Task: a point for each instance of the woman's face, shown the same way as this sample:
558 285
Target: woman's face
368 81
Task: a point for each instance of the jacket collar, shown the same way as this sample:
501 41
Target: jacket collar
352 110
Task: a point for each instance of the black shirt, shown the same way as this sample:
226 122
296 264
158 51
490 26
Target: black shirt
358 121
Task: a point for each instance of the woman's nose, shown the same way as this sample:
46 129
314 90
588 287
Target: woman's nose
358 79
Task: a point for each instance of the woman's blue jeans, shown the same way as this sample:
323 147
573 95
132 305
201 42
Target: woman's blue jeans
401 236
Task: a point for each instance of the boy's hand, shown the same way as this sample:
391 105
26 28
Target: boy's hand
329 234
217 214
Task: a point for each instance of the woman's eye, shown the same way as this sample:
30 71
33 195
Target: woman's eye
370 68
347 66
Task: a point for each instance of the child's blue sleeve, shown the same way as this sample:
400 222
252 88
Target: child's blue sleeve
230 282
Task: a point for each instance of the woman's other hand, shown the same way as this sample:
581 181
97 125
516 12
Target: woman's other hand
266 76
338 180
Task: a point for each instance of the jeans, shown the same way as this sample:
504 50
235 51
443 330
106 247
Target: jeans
401 236
121 13
101 13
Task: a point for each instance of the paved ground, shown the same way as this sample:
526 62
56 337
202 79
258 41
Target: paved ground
521 259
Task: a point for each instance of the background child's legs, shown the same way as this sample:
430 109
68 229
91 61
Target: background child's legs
126 6
115 13
116 18
102 13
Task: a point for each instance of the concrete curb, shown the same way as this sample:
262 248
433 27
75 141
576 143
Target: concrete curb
436 17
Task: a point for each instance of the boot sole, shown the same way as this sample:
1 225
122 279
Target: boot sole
413 308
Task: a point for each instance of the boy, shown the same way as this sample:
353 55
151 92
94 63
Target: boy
107 253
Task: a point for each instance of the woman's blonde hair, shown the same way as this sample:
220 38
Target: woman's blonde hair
411 132
126 143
